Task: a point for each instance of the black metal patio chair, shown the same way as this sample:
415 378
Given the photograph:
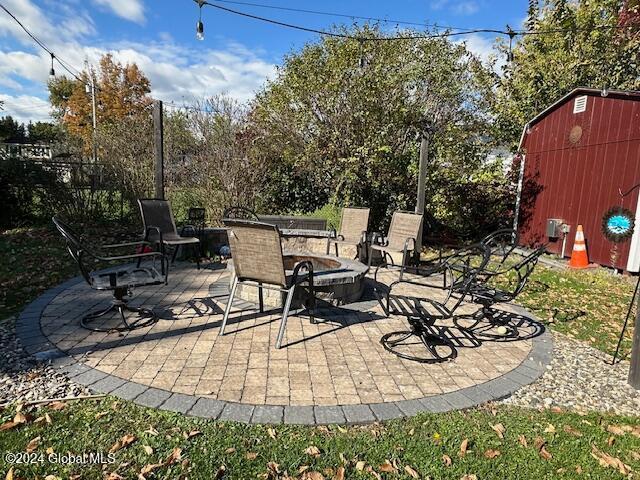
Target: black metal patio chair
160 228
258 261
492 286
120 280
454 276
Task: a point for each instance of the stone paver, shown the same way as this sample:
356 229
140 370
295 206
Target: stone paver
335 371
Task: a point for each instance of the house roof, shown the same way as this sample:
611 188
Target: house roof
624 94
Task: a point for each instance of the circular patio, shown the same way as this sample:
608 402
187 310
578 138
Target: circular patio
334 371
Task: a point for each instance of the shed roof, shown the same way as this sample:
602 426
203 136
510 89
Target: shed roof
620 94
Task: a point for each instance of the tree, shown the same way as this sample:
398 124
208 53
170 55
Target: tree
121 92
341 121
43 132
11 131
586 44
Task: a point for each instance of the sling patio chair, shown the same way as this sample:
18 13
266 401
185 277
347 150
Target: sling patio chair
353 230
258 261
121 279
160 227
402 238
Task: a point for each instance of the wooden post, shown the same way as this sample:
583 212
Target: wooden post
422 184
634 370
158 137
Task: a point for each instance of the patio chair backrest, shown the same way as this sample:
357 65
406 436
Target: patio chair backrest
256 251
403 225
157 213
354 221
75 246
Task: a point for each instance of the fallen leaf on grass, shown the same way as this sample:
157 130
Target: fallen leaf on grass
339 474
540 443
57 405
99 415
387 467
469 476
607 460
523 440
491 453
148 450
572 431
611 440
191 434
33 445
463 447
312 476
20 418
374 473
9 475
360 465
550 429
411 472
251 456
578 469
230 450
312 451
342 429
174 456
125 441
499 429
447 460
616 430
114 476
271 432
151 431
8 426
220 473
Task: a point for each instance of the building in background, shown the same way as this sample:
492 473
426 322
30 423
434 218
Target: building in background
577 156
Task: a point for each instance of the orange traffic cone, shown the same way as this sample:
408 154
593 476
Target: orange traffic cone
579 257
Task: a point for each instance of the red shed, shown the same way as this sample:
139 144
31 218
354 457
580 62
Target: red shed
578 155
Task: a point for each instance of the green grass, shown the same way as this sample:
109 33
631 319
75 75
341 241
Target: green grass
419 442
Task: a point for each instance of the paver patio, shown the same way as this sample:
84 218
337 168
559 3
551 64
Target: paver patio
332 371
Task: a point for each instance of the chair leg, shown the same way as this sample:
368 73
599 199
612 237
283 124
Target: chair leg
228 309
260 298
285 314
175 253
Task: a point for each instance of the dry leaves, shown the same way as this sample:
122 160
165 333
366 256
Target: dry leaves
230 450
447 460
191 434
32 446
572 431
148 450
522 440
339 474
173 457
463 447
387 467
499 429
550 429
312 451
360 465
469 476
615 429
411 472
540 443
607 460
57 405
312 476
251 456
9 475
271 432
125 441
491 453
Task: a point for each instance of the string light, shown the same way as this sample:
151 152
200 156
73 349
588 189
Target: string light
52 72
512 35
200 25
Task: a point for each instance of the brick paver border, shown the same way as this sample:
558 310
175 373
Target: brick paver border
35 343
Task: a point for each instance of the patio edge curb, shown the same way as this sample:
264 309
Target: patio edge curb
29 333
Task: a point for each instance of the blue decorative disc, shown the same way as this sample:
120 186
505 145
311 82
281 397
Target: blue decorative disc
618 224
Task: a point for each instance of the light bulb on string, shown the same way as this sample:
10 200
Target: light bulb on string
512 35
199 24
52 72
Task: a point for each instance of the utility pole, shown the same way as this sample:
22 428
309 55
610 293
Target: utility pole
91 88
634 369
158 137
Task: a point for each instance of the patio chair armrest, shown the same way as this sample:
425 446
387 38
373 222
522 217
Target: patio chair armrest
188 226
296 272
340 237
332 234
126 244
378 239
407 242
363 237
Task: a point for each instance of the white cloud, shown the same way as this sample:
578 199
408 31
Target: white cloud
128 9
465 7
24 108
483 48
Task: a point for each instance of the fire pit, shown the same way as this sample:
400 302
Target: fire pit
337 281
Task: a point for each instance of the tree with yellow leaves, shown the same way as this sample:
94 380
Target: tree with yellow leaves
122 91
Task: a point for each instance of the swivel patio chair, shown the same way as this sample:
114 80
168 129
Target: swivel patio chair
160 228
120 280
353 231
402 238
499 285
454 276
258 261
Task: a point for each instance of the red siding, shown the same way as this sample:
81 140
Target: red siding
579 182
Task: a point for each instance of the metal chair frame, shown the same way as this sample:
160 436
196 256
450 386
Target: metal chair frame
79 252
336 238
297 279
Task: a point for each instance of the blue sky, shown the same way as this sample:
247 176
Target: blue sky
236 57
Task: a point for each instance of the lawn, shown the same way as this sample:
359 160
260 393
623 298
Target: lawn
488 443
537 444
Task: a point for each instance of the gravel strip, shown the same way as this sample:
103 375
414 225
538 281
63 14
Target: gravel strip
580 378
22 378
